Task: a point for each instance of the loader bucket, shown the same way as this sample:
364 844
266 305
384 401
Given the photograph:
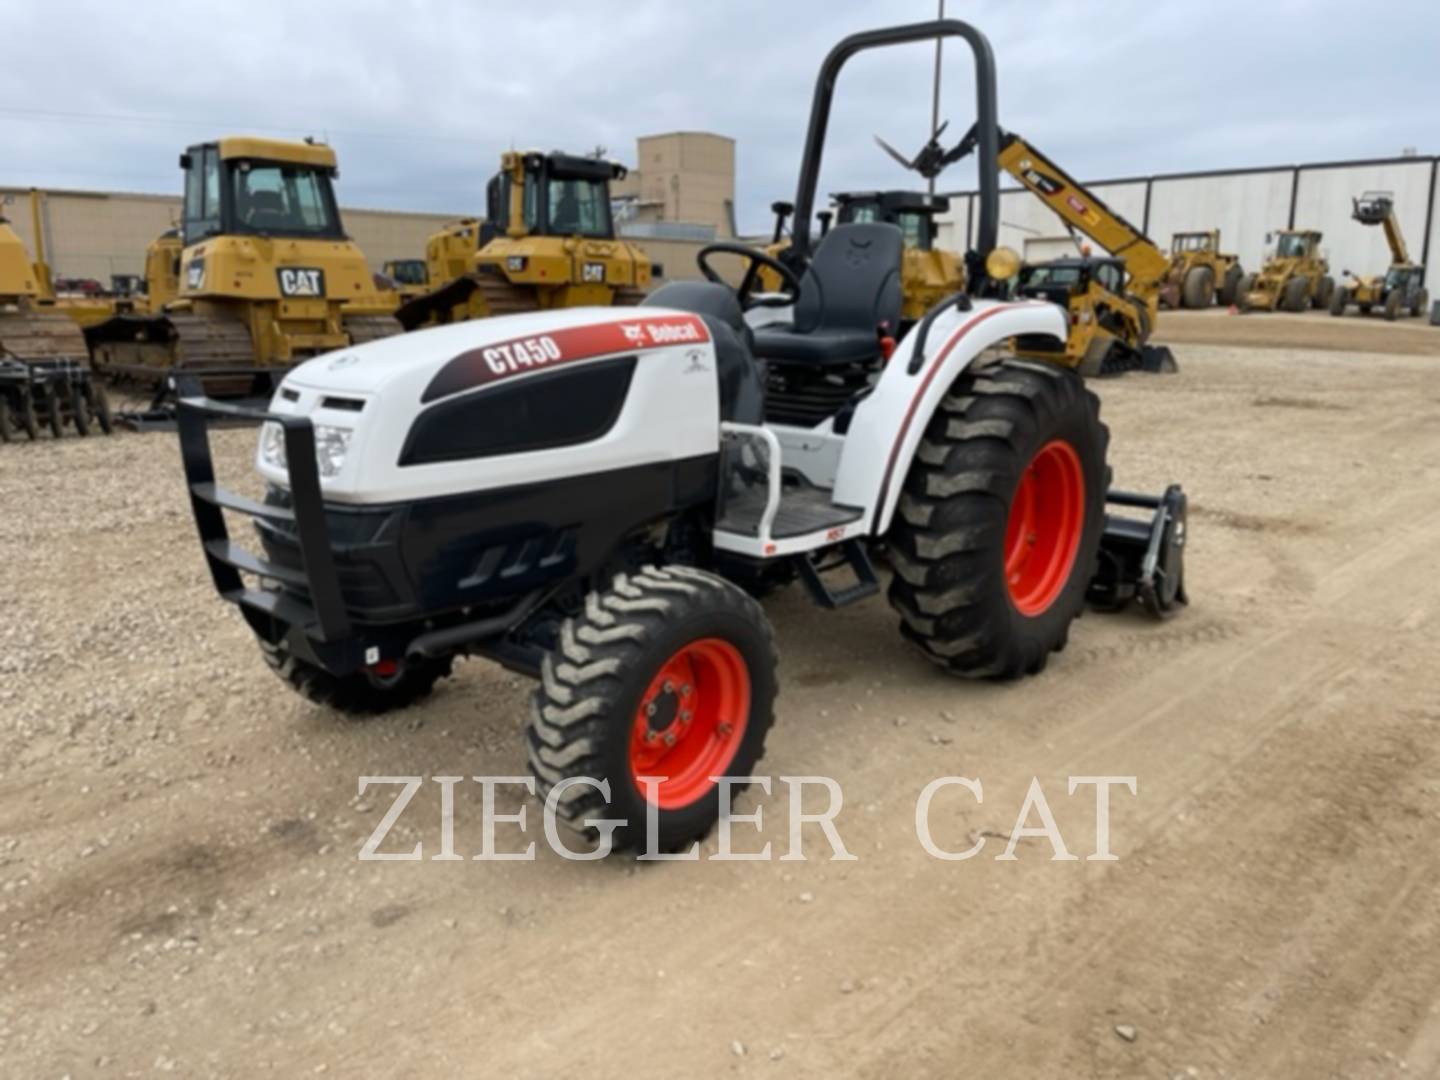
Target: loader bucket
1158 360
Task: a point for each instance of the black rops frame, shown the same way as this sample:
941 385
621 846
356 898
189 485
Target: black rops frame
986 123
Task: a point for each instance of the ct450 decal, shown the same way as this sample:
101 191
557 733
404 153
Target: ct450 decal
540 352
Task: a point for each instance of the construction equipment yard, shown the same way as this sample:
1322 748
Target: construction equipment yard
179 887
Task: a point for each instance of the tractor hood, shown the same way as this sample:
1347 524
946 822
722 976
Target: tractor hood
489 403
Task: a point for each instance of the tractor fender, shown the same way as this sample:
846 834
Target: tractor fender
888 425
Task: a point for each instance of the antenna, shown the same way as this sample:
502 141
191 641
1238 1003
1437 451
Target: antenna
935 95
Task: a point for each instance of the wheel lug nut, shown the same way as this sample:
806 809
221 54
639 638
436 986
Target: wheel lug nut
669 687
669 739
685 716
685 690
726 729
651 736
650 709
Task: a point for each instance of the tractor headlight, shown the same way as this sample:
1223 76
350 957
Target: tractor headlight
272 444
331 446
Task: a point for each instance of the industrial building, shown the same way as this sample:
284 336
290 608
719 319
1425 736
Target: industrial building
1246 205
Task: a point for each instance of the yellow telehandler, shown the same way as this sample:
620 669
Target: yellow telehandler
1402 288
268 276
548 242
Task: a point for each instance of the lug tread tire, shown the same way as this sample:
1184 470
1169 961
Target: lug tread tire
947 540
591 684
356 694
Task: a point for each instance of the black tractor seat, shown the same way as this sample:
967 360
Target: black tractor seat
849 296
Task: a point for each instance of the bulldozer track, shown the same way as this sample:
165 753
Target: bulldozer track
503 298
363 328
32 336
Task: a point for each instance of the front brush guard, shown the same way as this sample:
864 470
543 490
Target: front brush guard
1143 560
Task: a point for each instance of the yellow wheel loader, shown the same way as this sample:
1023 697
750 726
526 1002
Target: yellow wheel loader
928 274
44 371
1296 277
548 242
1200 275
268 276
1401 290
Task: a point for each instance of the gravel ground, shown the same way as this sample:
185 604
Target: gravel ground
180 892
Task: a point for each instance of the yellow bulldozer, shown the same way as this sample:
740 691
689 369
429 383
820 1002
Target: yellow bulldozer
1200 274
268 276
548 241
44 373
1401 290
928 274
1294 278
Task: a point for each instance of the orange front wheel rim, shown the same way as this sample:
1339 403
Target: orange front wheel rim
690 722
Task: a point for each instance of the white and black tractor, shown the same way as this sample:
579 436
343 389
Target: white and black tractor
598 496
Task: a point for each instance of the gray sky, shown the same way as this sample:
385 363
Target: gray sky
419 98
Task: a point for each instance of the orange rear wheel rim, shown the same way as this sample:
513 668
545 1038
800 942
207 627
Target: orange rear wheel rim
1046 522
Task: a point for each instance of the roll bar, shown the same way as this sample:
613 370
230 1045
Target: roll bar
986 122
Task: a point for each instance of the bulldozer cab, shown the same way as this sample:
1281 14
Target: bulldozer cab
912 211
259 187
551 195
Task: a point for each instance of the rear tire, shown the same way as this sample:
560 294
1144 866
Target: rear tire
1323 293
27 417
1339 300
668 672
8 431
963 569
1199 290
361 694
1392 305
1421 304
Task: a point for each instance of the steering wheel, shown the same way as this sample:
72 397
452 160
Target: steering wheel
756 259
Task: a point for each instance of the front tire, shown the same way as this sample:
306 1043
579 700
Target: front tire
1296 295
1339 300
365 693
668 672
997 534
1392 305
1199 290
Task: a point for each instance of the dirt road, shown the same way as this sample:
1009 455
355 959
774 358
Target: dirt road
180 890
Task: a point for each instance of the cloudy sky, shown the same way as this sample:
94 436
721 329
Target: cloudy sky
420 97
